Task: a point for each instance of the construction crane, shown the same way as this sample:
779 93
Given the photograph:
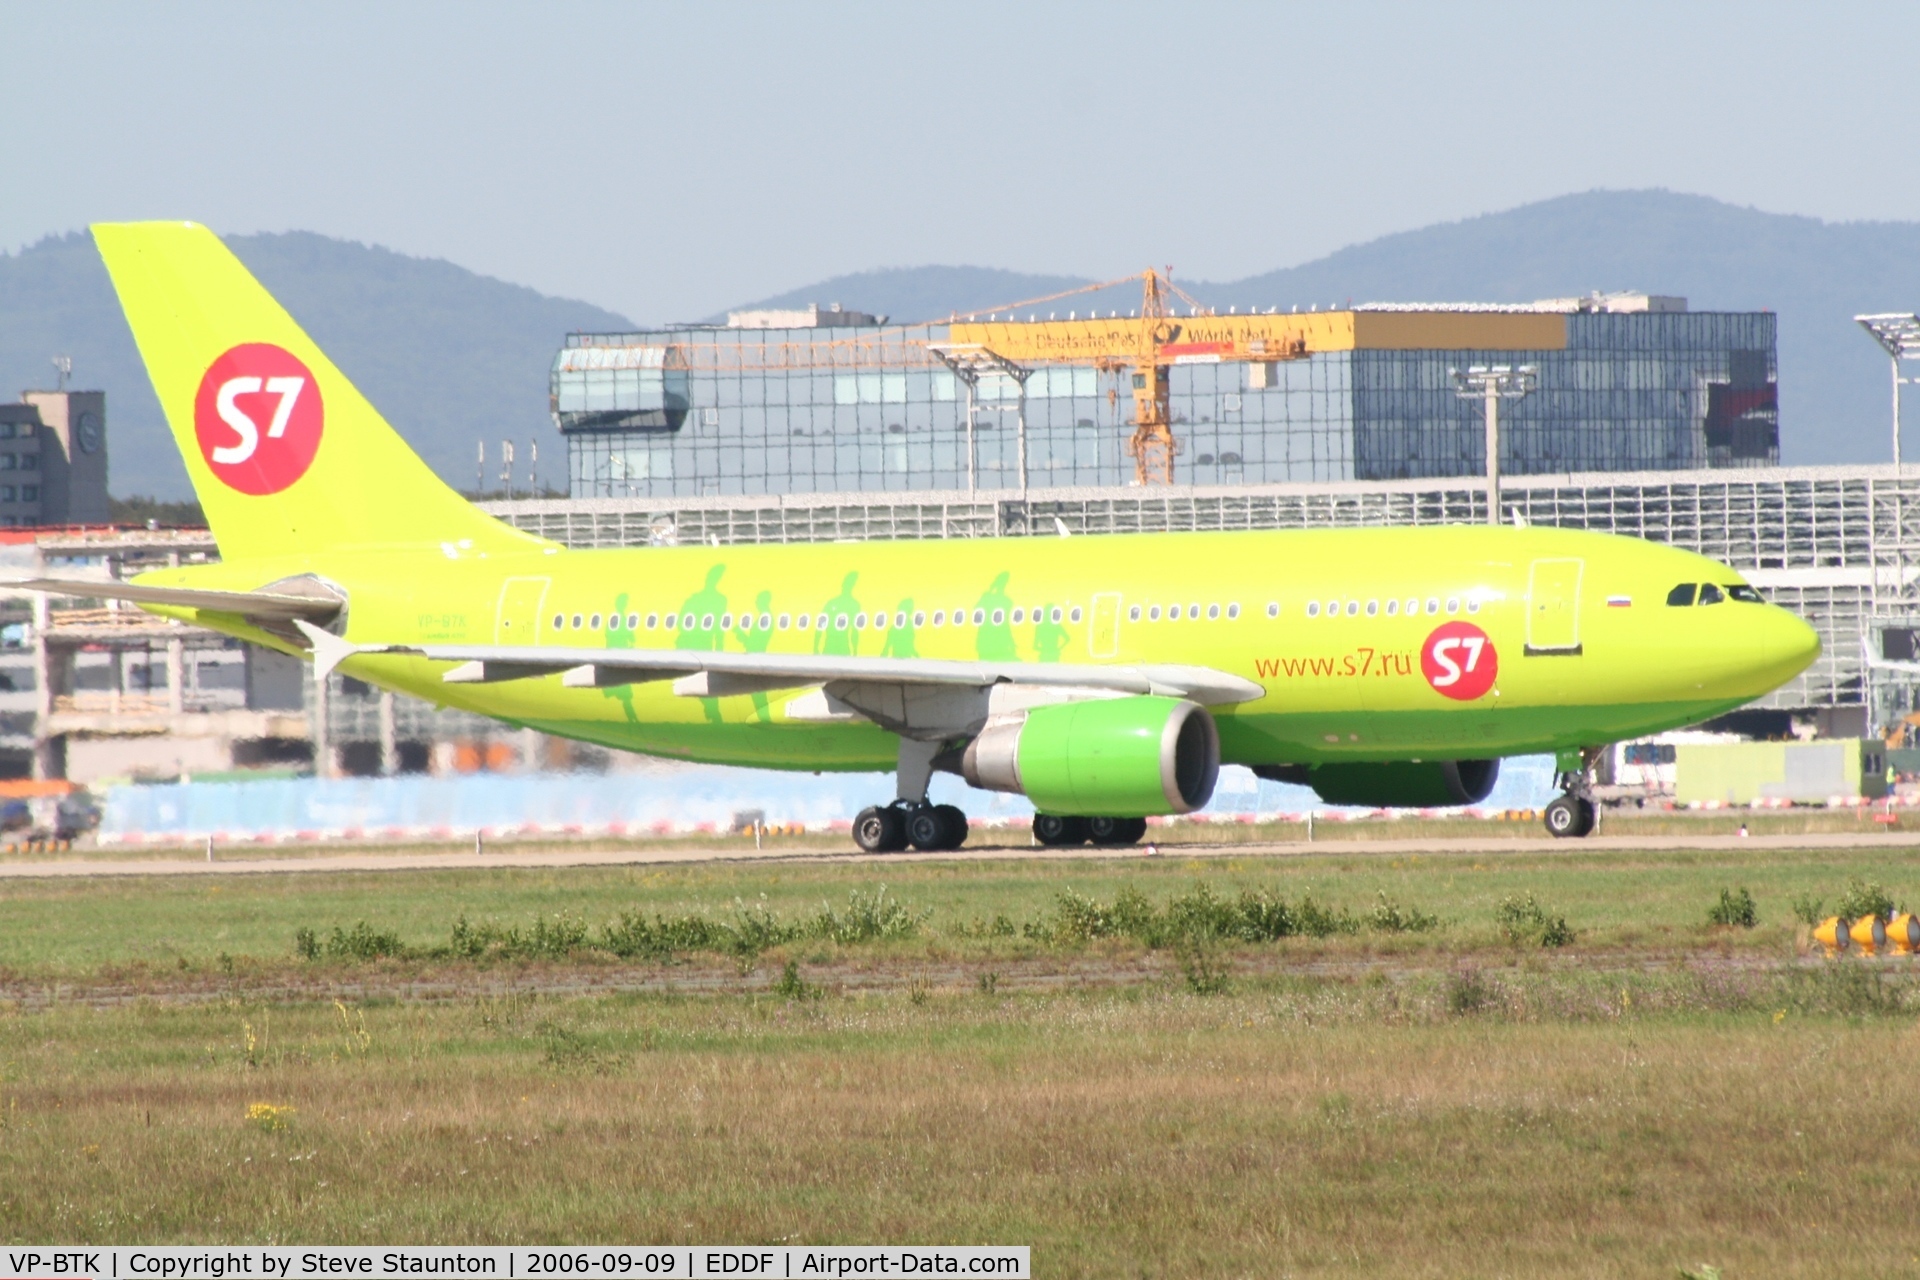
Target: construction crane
1144 344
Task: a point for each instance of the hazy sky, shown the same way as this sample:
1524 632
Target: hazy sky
669 161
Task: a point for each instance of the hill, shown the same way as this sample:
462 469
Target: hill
449 356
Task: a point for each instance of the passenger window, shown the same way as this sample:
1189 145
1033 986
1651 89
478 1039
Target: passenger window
1473 606
899 620
706 622
653 620
840 622
1453 604
1681 595
1133 614
1413 607
1313 608
1173 613
1273 610
860 621
919 620
1373 607
1744 594
1433 606
979 617
1153 614
726 622
805 620
1019 615
1233 611
1074 616
1353 608
1710 594
766 622
673 621
593 624
633 622
558 622
1213 613
1393 608
785 619
576 622
1056 613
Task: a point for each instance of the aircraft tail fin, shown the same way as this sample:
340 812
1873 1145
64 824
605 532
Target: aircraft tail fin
286 456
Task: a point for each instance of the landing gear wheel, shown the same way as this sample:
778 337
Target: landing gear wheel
1569 817
880 829
956 825
1053 829
1116 831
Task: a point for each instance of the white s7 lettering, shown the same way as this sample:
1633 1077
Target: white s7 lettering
245 428
1443 658
1474 645
234 416
288 389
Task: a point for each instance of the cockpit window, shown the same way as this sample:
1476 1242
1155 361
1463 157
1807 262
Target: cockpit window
1681 595
1710 594
1744 594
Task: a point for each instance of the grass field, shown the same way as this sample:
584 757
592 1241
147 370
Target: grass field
1654 1095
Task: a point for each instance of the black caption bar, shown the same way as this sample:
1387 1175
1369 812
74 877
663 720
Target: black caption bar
508 1262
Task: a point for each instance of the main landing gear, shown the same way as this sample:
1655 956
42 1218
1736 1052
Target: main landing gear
891 828
1056 829
910 820
1572 814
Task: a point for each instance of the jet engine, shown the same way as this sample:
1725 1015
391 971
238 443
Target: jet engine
1117 757
1397 784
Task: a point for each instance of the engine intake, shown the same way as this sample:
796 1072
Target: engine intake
1115 757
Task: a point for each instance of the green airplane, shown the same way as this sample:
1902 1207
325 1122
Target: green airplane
1105 678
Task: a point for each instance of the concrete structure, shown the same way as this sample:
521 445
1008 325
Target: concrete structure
73 448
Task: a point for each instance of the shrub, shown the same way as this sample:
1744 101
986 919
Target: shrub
1735 908
1468 991
1864 898
1807 911
868 918
362 942
1387 916
791 986
1524 921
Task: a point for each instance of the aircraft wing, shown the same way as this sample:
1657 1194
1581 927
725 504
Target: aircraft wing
705 674
250 604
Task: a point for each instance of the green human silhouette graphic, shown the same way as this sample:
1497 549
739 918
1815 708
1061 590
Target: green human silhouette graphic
754 638
994 640
620 636
838 636
700 627
900 637
1049 637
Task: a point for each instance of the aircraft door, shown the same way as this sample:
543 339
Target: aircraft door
517 620
1103 638
1553 607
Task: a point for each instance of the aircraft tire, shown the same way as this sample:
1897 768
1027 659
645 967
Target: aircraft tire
1057 829
880 829
1569 817
955 822
1116 831
928 829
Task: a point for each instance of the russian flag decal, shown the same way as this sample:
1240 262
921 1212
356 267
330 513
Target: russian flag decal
1619 602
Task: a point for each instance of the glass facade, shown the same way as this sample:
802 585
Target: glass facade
721 412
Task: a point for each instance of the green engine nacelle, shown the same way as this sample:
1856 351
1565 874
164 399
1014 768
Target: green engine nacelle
1109 757
1406 784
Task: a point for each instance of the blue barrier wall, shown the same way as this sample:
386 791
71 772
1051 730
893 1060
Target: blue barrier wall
682 799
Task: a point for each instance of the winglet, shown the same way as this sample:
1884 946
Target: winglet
329 650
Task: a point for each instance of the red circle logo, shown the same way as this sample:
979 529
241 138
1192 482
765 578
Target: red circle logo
258 418
1459 661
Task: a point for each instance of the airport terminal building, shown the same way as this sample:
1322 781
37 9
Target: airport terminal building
828 401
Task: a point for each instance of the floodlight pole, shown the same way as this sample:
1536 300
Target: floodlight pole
1899 336
968 361
1491 384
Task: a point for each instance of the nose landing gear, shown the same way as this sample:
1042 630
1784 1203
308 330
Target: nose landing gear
1573 813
